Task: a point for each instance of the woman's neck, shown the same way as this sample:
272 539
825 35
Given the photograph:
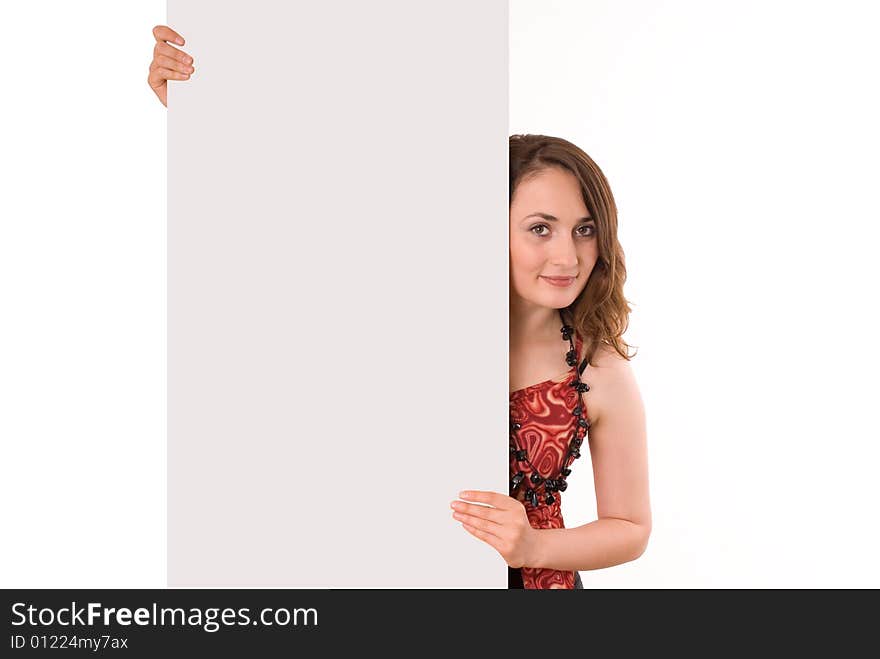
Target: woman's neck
534 325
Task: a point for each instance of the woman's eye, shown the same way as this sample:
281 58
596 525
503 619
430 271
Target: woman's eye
585 234
585 230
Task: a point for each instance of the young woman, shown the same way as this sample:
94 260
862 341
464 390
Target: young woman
566 308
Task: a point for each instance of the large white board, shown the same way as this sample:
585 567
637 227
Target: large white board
337 292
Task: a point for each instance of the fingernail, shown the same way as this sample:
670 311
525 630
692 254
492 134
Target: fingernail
464 495
179 41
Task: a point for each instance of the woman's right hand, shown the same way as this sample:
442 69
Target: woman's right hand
169 63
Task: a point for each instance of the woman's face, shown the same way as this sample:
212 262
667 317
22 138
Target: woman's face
551 235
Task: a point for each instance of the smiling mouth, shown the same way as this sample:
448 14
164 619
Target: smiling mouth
559 281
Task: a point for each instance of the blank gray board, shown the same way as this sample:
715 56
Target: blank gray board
337 292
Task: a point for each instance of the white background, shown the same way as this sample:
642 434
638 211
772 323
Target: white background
82 280
739 141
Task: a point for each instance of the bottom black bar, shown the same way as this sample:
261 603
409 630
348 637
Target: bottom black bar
254 622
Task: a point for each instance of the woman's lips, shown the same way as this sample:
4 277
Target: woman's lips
559 281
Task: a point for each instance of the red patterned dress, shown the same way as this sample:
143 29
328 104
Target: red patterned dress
545 413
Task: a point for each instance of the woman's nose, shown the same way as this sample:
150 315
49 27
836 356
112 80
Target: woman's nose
564 254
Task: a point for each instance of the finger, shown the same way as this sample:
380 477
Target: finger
492 514
486 525
163 48
488 538
165 33
492 498
159 74
172 64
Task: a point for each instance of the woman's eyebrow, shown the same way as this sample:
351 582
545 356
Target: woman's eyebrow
552 218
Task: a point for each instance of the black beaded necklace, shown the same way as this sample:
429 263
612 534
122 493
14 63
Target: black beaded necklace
558 483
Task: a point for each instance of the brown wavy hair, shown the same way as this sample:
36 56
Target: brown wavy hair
600 314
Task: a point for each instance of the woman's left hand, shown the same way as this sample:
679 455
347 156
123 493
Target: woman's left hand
505 526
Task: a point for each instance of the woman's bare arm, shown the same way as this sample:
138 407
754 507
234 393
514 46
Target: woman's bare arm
618 449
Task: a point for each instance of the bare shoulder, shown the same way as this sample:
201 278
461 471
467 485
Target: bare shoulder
613 387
